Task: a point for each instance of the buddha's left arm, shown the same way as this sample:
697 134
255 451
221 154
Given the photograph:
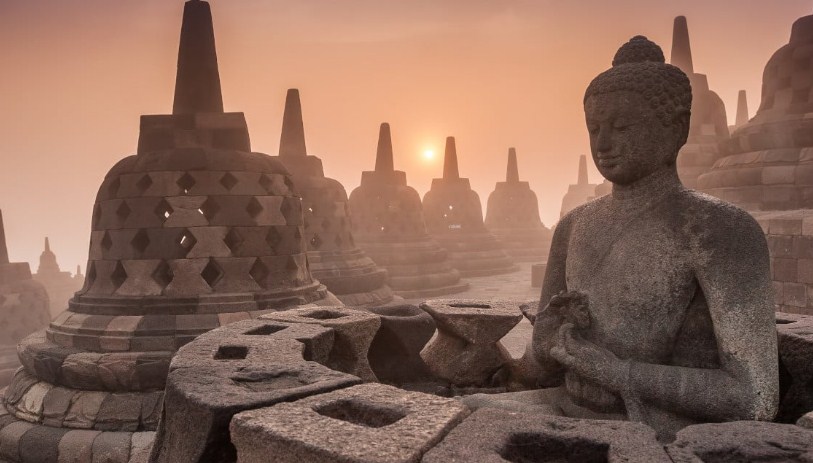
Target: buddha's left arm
732 268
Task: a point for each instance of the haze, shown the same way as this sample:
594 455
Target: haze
77 75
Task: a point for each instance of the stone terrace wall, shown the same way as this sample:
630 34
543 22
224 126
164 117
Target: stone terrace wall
790 241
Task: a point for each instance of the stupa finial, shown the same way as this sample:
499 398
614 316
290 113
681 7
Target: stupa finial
512 173
47 245
450 169
3 248
681 48
742 109
292 140
582 179
383 157
197 85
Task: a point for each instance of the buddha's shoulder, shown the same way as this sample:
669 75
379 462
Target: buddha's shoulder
708 212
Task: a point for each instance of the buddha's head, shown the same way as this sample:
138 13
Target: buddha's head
637 113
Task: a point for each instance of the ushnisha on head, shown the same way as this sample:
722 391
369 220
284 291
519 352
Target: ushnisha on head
637 113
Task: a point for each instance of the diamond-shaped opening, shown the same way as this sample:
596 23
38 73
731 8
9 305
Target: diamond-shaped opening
163 210
209 209
254 208
113 188
144 183
266 183
228 181
186 182
212 273
361 413
162 274
187 241
285 208
289 184
123 211
90 278
140 241
273 238
233 240
107 241
315 242
119 275
259 272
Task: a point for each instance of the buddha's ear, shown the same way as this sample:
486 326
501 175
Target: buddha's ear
681 121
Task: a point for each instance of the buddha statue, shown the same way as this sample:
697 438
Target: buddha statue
656 305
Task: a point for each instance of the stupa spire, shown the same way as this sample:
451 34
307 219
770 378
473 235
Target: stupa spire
582 180
197 85
742 109
681 48
450 169
3 248
512 173
47 245
383 157
292 141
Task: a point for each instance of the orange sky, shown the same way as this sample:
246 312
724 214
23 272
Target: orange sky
77 74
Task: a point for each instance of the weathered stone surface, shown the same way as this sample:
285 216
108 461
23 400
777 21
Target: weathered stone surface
466 350
497 436
395 351
388 223
354 331
742 441
795 366
367 423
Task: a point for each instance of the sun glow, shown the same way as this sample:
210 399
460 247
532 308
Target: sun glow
429 154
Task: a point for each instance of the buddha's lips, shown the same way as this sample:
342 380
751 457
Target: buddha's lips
608 160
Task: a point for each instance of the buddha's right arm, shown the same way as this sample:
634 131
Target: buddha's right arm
547 323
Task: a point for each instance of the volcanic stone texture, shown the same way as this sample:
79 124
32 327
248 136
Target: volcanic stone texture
795 366
454 218
362 424
742 441
498 436
395 351
333 256
466 350
354 331
512 216
768 163
388 223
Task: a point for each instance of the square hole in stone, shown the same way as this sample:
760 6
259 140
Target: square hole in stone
266 381
539 448
231 352
265 330
361 413
464 305
325 315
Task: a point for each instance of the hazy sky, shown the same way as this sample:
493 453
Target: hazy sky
77 74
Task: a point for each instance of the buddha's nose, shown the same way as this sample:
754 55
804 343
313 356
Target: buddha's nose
604 142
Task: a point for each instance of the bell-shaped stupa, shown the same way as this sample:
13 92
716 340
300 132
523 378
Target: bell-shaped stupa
768 163
454 217
388 224
23 308
708 127
512 215
333 255
60 285
580 192
193 232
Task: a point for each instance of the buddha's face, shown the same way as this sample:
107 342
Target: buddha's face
627 140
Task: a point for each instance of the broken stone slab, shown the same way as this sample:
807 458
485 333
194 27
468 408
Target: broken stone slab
366 423
499 436
742 441
354 332
250 341
466 350
795 366
200 401
395 351
806 421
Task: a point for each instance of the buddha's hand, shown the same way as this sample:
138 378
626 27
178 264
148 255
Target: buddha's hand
588 360
573 307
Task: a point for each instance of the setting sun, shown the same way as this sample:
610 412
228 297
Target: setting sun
429 154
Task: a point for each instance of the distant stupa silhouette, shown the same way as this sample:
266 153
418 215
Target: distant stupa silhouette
60 285
512 215
388 224
192 232
454 217
333 255
580 192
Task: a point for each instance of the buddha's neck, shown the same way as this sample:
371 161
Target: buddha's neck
654 185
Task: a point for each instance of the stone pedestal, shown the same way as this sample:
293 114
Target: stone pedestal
513 217
466 350
454 218
333 256
395 351
388 223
